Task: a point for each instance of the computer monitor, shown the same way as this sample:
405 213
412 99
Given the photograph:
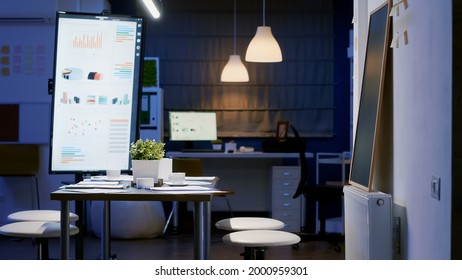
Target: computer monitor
97 68
193 126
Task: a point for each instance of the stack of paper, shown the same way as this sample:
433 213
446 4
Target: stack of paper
96 185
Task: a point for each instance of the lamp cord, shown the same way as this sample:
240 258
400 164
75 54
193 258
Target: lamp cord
264 2
234 27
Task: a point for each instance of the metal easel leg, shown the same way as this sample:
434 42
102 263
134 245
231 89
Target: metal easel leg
172 212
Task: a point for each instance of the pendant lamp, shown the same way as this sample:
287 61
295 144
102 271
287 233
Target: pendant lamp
263 47
234 70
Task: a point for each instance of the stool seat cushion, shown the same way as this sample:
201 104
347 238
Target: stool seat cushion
40 215
261 238
35 229
249 223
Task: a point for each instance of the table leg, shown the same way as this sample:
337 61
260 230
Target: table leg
106 231
65 230
81 224
201 230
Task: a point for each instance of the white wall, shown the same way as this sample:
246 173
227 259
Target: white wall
29 89
421 126
84 6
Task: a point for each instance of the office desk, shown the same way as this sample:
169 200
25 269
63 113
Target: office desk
249 175
237 155
201 199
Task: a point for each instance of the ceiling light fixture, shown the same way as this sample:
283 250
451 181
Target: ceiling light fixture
152 8
234 70
263 47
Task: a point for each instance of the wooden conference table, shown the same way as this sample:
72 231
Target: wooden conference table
202 213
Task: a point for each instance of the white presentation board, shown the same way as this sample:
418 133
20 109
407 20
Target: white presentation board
96 91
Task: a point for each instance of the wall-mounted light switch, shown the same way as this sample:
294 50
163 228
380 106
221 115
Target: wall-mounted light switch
436 187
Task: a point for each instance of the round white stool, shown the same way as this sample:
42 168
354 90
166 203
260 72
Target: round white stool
248 223
40 215
40 230
255 242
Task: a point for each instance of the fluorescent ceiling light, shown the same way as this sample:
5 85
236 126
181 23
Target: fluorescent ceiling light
152 8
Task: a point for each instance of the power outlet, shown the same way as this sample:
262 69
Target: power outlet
436 187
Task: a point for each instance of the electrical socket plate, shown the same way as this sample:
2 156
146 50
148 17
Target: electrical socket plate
436 187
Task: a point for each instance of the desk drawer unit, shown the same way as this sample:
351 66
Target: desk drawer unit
285 208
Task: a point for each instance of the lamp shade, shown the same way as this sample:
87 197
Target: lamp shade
263 47
234 70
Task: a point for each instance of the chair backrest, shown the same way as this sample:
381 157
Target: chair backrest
19 159
190 166
303 183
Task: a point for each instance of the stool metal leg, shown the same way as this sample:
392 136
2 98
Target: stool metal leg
260 253
38 243
254 253
42 249
249 253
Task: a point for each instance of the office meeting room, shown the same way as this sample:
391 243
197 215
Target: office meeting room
230 138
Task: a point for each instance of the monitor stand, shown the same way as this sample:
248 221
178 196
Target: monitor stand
188 145
189 148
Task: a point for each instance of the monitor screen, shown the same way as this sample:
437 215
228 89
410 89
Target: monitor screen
193 126
95 97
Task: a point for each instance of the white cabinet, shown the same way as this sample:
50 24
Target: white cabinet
285 208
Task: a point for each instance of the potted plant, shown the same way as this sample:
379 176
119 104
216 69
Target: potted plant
146 156
216 144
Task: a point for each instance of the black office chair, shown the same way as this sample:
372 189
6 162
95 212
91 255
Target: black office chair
328 198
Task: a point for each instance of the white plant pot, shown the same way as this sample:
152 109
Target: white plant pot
145 169
165 168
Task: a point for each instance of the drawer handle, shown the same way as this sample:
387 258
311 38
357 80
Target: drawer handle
286 173
286 204
286 184
286 194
